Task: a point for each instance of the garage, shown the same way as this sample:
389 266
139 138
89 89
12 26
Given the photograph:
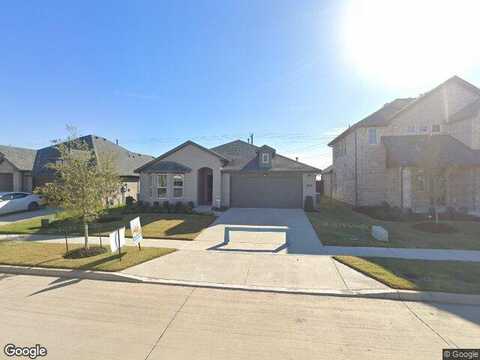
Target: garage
266 190
6 182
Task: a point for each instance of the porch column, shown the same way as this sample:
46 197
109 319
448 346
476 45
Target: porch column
407 202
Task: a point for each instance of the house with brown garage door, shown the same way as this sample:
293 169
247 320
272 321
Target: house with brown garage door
236 174
16 166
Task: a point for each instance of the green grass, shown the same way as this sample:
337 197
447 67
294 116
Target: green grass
420 275
155 226
337 224
27 253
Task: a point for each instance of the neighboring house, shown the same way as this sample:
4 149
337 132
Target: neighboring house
125 162
383 157
16 168
236 174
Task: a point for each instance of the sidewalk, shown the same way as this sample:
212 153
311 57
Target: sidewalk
400 253
413 254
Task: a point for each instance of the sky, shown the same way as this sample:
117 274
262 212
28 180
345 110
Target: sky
154 74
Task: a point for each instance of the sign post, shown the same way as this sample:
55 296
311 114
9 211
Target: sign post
117 240
136 229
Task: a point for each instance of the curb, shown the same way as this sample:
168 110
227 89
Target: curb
397 295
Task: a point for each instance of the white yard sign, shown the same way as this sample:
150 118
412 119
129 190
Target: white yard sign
117 239
136 229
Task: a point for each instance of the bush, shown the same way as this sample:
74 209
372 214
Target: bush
191 204
308 206
166 206
385 205
434 228
180 207
129 201
221 208
109 218
85 252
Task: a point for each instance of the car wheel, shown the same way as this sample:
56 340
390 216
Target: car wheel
33 206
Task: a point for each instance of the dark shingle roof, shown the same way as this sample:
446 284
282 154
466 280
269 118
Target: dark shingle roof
152 162
380 117
467 112
21 158
437 150
242 156
167 166
125 161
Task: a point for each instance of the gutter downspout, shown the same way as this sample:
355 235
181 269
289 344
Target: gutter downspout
401 187
356 169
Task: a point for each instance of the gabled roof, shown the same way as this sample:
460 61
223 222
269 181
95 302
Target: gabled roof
467 112
242 156
437 150
167 167
381 117
174 150
125 161
328 170
390 111
21 158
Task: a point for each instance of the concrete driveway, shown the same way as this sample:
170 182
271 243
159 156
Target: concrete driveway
262 230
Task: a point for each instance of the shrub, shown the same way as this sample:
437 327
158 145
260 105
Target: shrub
166 206
180 207
434 228
129 201
85 252
451 213
109 218
308 206
191 204
385 205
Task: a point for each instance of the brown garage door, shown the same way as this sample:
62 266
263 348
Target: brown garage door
6 182
266 190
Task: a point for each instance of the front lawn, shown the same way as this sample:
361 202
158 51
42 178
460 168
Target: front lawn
337 224
421 275
155 226
27 253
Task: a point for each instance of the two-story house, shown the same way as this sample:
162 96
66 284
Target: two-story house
388 156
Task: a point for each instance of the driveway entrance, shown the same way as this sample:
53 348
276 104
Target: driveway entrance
262 230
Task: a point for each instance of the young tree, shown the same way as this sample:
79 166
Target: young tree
83 182
431 163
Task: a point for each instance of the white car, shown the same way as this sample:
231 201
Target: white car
19 201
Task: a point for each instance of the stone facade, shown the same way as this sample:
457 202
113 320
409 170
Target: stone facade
360 175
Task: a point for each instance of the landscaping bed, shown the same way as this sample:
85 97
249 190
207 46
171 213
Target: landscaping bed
154 225
338 224
28 253
420 275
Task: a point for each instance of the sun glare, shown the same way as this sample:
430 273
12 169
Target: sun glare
407 43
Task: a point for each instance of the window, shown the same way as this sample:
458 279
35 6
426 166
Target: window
423 128
161 186
178 186
420 183
411 129
19 196
265 158
372 136
436 128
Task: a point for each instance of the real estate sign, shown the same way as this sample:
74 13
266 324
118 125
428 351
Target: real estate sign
136 229
117 239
